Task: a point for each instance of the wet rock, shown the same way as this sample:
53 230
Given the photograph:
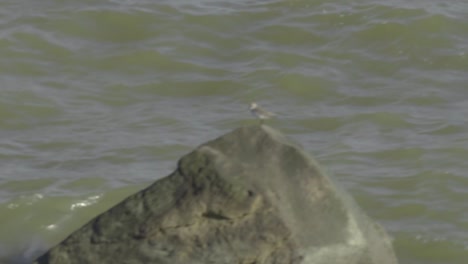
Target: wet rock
248 197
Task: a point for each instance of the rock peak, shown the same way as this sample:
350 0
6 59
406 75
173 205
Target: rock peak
250 196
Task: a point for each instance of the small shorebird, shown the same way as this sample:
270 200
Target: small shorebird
260 113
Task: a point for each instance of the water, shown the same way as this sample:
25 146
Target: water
99 100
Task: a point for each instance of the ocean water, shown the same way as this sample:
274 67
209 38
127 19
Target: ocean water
100 99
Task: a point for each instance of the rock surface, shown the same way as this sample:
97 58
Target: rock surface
248 197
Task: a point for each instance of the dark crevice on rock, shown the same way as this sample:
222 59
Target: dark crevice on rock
215 216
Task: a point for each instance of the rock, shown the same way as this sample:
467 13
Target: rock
248 197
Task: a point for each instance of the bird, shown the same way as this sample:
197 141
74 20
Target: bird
259 112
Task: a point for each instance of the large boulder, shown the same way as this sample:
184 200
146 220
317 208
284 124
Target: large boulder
248 197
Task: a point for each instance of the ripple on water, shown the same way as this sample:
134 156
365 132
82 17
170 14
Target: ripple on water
429 248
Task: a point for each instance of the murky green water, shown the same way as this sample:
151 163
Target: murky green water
99 100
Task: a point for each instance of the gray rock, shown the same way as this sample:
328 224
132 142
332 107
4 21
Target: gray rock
248 197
